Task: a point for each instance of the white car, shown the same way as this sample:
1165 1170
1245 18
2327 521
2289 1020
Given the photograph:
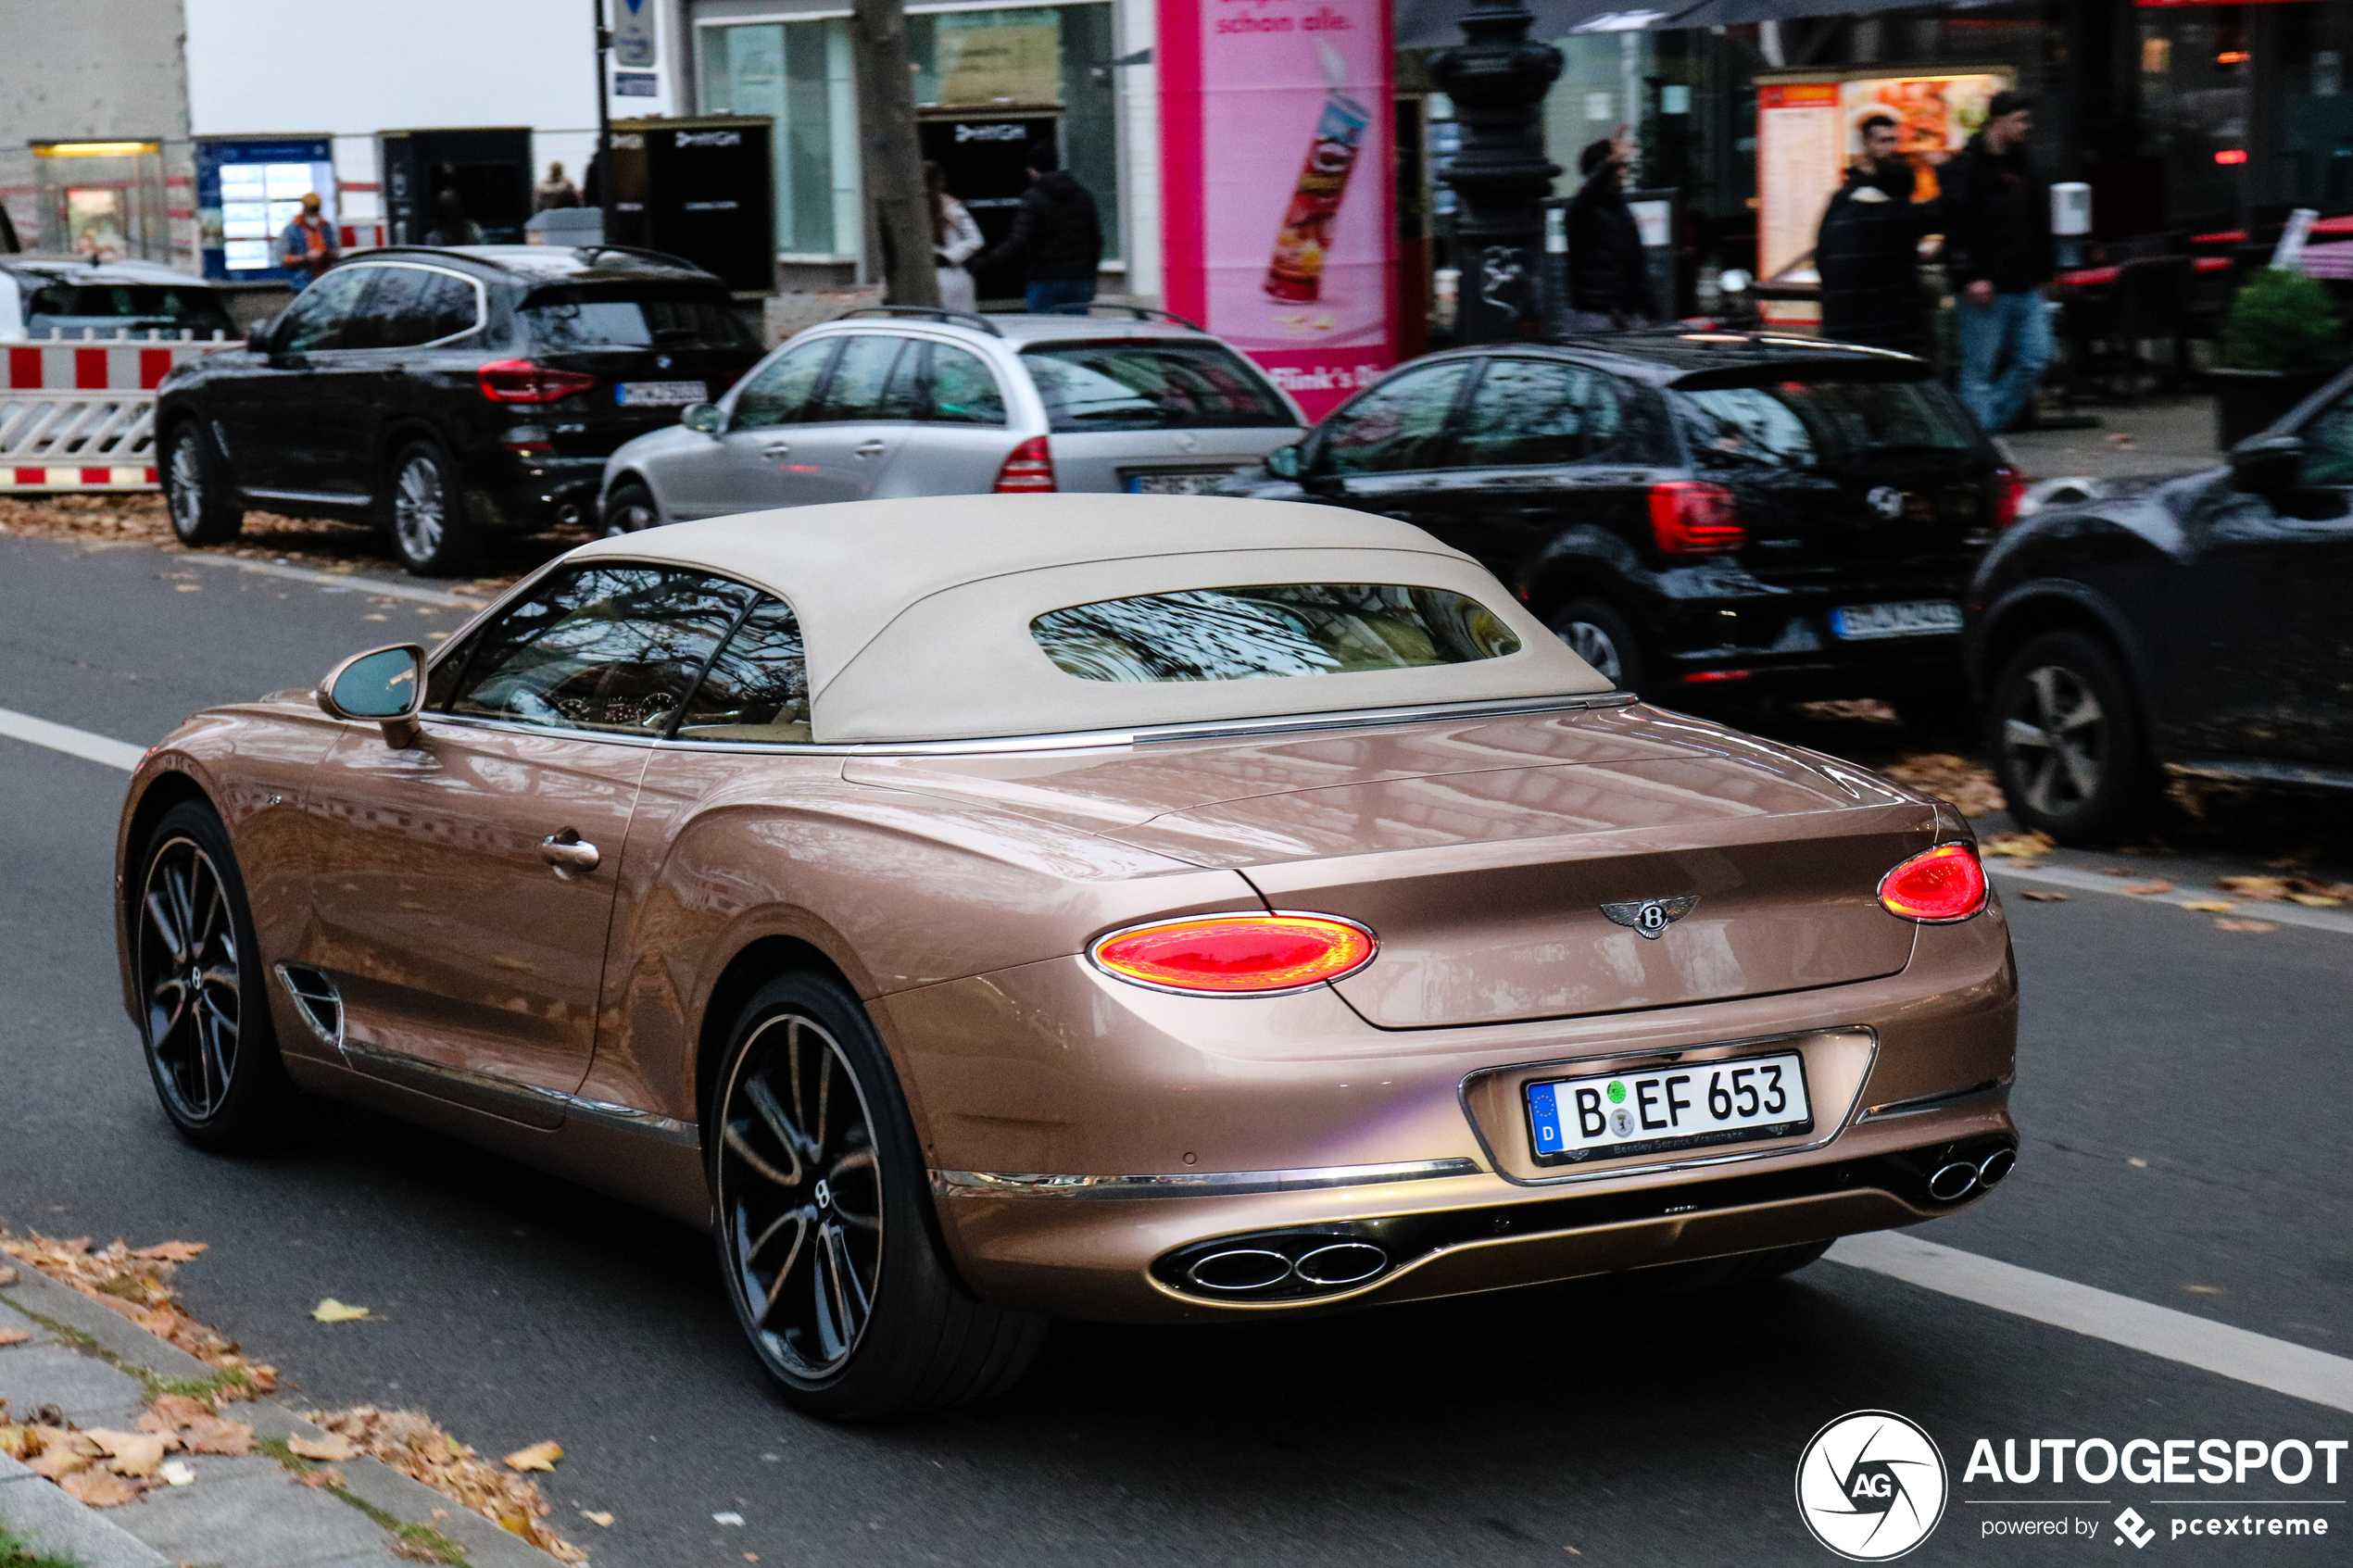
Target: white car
42 297
891 402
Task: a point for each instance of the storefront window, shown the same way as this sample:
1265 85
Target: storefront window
800 74
1053 61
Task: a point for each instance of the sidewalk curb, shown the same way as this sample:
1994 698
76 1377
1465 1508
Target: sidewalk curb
51 1522
367 1479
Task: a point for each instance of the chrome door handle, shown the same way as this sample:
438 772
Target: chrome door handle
871 448
568 854
776 449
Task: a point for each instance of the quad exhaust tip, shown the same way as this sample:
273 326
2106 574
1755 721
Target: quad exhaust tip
1958 1178
1277 1266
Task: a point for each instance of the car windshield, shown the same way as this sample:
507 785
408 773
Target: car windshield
1817 423
140 306
1163 385
1282 628
636 316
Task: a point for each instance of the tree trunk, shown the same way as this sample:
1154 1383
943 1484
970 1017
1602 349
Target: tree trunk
889 158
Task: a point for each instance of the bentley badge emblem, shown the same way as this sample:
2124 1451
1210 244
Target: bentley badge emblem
1651 917
1886 500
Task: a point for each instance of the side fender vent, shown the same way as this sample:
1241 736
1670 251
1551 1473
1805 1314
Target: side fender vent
317 1000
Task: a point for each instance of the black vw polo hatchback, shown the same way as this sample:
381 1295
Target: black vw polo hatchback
446 394
1705 516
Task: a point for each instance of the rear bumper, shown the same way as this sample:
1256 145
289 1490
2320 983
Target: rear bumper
1004 1079
516 494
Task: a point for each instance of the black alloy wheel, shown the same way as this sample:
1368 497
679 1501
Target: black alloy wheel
2067 741
204 510
425 513
825 1224
204 1007
1597 633
630 509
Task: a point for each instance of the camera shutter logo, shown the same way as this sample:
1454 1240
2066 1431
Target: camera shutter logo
1871 1486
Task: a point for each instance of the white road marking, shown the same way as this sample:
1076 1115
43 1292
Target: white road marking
2295 1370
72 742
2248 909
349 579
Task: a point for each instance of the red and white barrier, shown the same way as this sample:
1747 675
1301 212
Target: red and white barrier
77 414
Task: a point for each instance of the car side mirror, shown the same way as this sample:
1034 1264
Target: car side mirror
384 685
259 336
1283 461
705 419
2266 464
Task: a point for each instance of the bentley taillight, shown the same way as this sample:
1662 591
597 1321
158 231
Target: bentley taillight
1939 884
1030 467
1236 955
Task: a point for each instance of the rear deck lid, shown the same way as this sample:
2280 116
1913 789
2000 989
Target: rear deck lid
1489 891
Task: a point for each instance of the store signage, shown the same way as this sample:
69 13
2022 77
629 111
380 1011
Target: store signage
633 33
1278 182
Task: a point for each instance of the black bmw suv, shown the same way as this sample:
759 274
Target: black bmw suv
446 394
1704 516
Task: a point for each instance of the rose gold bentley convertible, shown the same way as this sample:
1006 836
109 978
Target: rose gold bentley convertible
1132 907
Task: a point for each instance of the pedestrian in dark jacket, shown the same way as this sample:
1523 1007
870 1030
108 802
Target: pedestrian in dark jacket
1609 277
1868 251
1999 257
1056 238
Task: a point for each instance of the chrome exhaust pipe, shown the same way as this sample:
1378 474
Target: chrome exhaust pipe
1345 1262
1240 1269
1952 1183
1995 1166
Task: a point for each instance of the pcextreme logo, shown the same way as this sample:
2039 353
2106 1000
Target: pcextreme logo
1871 1486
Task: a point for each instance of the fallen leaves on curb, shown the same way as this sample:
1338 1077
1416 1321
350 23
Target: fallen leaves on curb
321 1479
95 1489
2040 896
413 1444
2210 906
1968 785
539 1456
2018 846
138 1286
333 1448
2313 893
332 1310
601 1519
13 1336
2245 925
2147 889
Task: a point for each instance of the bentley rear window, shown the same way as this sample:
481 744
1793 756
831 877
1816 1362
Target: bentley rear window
1279 629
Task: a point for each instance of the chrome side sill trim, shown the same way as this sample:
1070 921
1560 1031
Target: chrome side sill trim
1992 1088
1205 1184
316 497
601 1113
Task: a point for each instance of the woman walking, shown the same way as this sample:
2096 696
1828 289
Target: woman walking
954 237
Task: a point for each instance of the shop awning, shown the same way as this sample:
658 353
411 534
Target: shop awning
1436 22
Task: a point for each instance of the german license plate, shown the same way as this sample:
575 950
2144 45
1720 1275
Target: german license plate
1614 1115
1188 483
660 393
1911 617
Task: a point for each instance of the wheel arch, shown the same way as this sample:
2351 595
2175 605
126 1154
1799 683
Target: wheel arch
2053 605
164 789
752 966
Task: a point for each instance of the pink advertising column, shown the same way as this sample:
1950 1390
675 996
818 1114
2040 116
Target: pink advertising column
1278 182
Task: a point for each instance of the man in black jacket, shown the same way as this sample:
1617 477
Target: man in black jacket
1056 236
1867 253
1999 257
1609 278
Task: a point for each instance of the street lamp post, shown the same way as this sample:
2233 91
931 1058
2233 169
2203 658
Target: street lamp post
600 188
1497 79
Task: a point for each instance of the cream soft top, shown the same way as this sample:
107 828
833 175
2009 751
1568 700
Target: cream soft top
915 613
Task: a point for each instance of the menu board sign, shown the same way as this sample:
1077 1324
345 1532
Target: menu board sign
1278 178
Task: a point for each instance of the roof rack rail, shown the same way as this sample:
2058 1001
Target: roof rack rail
928 313
1135 313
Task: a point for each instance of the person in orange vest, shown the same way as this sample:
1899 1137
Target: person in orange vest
307 247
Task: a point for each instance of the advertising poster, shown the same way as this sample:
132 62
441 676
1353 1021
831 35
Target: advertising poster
1278 173
1808 131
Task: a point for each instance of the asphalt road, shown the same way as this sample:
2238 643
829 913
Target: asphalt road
2181 1092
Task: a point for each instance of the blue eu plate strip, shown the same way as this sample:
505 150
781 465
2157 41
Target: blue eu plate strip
1545 1114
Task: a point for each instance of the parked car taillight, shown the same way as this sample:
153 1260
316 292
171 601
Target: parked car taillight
1030 467
1943 883
1689 518
520 380
2007 498
1237 953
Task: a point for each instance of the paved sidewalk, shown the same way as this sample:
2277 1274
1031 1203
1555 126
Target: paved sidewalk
2170 434
100 1371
